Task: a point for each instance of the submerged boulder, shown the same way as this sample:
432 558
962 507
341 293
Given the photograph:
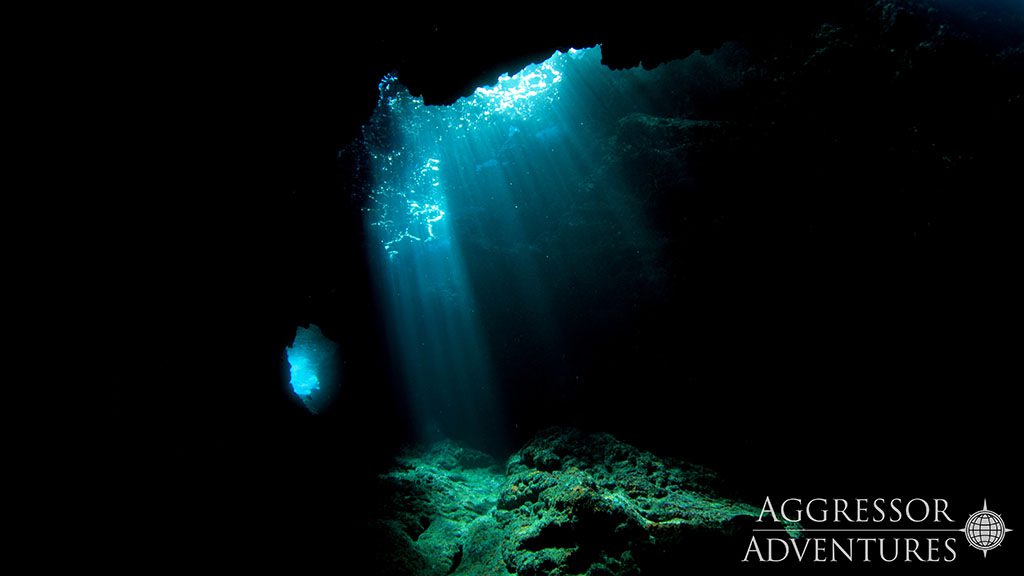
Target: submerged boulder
566 503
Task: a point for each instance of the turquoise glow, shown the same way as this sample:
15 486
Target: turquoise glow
409 199
312 359
304 378
477 209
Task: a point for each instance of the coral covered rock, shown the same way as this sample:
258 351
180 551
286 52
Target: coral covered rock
566 503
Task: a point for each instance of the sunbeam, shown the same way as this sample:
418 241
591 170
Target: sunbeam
506 198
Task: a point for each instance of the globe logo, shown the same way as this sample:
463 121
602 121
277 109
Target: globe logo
985 529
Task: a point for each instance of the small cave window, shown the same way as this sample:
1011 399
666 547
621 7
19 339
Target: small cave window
314 368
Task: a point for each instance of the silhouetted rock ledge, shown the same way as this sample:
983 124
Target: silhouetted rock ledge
566 503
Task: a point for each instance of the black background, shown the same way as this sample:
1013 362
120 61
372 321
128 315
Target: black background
844 323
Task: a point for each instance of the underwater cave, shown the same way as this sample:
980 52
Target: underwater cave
571 296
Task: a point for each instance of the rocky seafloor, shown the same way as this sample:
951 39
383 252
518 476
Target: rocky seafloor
567 503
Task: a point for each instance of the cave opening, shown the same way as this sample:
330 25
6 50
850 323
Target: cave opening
314 368
516 222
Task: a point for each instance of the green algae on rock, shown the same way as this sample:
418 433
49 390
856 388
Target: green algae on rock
567 503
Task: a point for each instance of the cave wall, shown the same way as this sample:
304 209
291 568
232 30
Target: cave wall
878 146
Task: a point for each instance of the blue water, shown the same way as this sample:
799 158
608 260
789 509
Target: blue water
313 367
487 216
